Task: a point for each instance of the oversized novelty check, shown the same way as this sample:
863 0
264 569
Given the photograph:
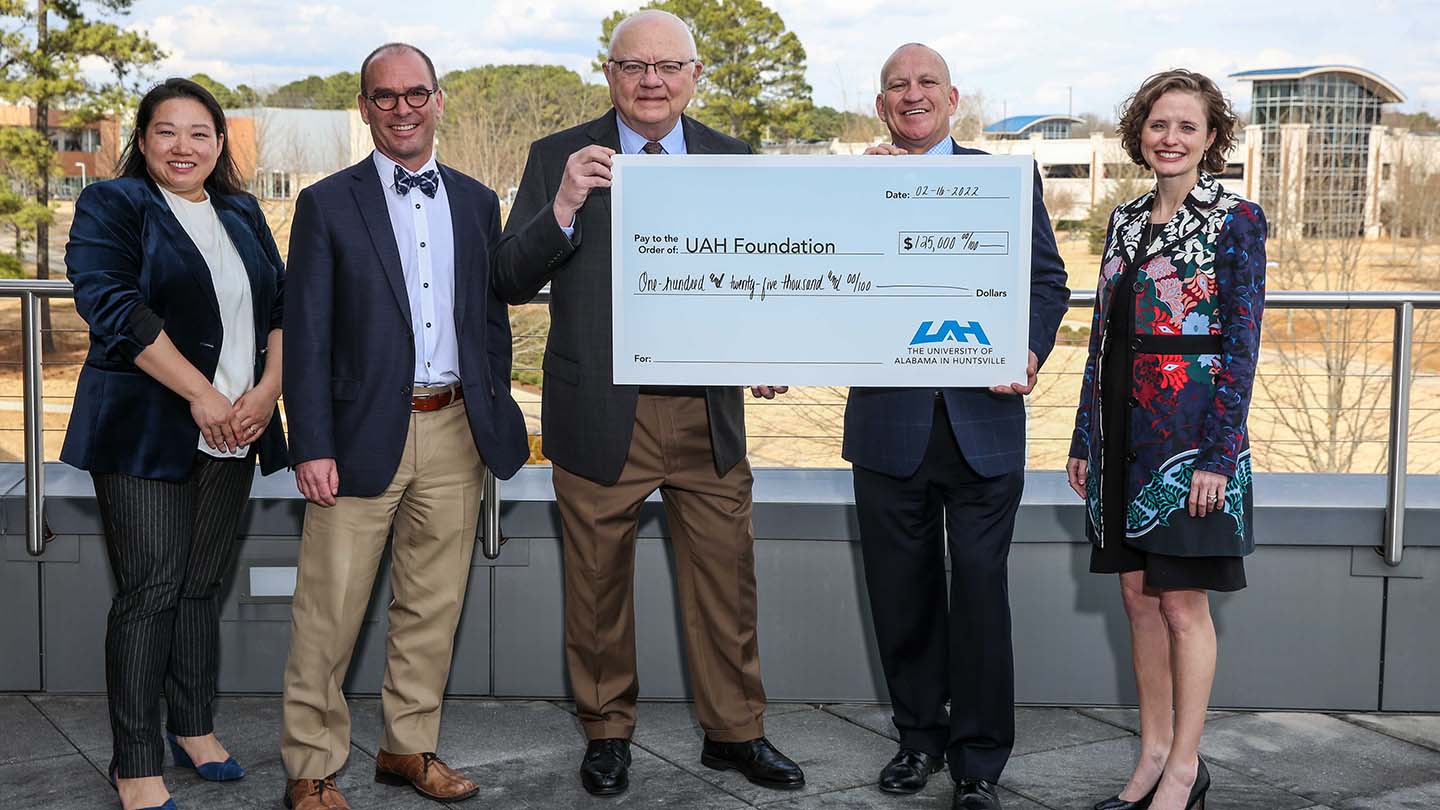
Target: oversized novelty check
787 270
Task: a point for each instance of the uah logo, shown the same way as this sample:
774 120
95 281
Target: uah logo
949 330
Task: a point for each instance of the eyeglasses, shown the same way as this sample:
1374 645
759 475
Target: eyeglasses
415 98
665 69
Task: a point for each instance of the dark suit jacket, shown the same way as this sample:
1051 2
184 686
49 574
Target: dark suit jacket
349 343
586 420
136 272
886 429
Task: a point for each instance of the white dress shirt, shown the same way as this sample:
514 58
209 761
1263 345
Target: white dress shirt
235 370
426 240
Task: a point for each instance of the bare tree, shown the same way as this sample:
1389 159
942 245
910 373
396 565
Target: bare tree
1122 181
969 120
1326 373
1059 200
1412 215
492 117
283 159
1093 123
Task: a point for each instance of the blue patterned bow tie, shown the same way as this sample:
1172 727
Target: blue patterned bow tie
427 181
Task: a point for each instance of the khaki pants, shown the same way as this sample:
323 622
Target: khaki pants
710 533
434 504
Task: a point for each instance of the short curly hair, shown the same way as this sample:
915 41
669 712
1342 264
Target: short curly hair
1219 116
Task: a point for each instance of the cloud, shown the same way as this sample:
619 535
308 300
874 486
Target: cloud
1023 54
276 42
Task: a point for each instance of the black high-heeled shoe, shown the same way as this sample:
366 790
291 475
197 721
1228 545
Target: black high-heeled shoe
1200 788
1117 803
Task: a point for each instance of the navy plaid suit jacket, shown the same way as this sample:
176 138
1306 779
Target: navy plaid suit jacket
887 429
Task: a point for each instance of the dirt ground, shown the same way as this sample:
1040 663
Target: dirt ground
1316 406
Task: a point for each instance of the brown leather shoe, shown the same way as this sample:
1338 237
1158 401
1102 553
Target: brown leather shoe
430 776
314 794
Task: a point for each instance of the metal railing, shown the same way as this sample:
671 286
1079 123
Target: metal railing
1402 304
30 292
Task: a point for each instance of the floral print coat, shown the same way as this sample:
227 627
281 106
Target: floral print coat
1198 296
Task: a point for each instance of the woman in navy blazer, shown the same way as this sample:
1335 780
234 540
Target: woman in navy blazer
179 279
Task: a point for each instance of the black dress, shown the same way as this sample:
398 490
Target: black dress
1115 556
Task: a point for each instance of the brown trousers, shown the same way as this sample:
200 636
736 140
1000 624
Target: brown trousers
710 533
434 504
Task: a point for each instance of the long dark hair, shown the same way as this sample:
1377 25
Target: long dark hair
225 179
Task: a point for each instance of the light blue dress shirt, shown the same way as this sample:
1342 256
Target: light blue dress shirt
426 240
632 143
945 146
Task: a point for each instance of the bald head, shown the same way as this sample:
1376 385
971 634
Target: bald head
392 48
916 98
915 50
651 24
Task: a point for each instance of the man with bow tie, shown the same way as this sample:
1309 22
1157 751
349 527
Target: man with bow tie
397 393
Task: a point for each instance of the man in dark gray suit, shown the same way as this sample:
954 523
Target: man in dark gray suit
612 445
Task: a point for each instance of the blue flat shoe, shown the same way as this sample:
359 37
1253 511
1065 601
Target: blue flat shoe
227 771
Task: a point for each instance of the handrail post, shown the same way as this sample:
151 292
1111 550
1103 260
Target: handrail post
490 515
34 415
1399 434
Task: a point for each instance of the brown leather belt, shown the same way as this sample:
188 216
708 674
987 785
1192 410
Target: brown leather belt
436 401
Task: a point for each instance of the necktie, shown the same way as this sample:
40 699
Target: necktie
652 148
427 181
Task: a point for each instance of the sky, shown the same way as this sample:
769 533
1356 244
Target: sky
1023 56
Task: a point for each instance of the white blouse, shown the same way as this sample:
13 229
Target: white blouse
235 373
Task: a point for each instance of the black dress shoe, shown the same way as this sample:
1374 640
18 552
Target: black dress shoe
975 794
605 770
909 771
757 760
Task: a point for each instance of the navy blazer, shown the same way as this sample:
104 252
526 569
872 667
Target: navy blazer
349 343
887 429
136 271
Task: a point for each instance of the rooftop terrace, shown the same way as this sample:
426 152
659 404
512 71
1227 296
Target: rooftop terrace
525 755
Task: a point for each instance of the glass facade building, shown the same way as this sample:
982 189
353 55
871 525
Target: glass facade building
1339 105
1022 127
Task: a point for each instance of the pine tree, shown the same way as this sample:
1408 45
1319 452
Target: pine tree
42 45
753 83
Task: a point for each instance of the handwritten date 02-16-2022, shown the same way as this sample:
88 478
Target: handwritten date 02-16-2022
931 192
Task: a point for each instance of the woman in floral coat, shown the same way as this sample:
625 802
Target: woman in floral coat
1160 451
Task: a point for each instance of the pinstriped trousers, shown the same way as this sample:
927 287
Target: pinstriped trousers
170 546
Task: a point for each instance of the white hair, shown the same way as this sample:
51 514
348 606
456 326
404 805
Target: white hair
656 15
